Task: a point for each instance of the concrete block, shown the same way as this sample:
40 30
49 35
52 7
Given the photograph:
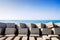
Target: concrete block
10 25
34 32
40 25
22 29
23 32
56 31
1 31
2 25
23 25
50 25
10 31
46 31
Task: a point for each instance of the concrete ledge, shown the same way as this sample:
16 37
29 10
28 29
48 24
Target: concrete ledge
22 35
10 35
32 35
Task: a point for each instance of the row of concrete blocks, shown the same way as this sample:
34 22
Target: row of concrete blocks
32 32
34 25
22 29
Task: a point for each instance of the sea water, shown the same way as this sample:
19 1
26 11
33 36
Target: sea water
29 21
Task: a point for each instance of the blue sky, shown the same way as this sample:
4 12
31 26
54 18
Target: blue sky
29 9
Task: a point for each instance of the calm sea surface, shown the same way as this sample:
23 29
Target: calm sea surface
29 21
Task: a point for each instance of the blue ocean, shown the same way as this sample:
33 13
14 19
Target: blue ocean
29 21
